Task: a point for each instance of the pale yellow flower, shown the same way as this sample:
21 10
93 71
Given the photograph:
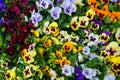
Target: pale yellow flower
10 75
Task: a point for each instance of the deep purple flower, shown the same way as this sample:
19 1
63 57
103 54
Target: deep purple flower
55 12
1 1
24 2
2 6
78 72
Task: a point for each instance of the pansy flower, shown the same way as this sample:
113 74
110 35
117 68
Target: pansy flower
68 46
36 17
59 54
105 36
53 74
74 38
2 6
116 67
45 28
68 6
102 14
95 24
110 76
24 2
93 3
105 8
105 1
74 23
90 14
42 3
111 48
89 73
53 27
78 72
104 54
86 32
10 75
117 35
48 43
55 12
63 35
94 39
67 70
62 61
83 21
27 72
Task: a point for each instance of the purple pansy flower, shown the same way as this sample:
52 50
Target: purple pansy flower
55 12
2 6
44 4
78 72
36 17
95 24
68 6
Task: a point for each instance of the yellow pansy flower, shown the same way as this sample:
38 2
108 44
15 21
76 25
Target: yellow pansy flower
10 75
68 46
59 54
53 27
90 14
74 23
83 21
27 72
48 43
111 48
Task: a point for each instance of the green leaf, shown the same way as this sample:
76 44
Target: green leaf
3 29
110 6
107 20
73 59
8 37
1 41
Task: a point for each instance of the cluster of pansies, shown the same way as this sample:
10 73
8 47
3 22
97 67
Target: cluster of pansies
59 40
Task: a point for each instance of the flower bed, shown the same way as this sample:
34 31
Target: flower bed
59 40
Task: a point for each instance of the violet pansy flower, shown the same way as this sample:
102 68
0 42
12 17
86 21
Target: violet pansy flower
2 5
55 12
95 24
78 72
68 6
36 17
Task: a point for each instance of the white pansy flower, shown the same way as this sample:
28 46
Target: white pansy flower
110 77
67 70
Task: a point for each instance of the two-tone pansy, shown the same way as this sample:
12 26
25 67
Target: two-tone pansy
105 36
74 23
27 72
111 48
83 21
36 17
28 55
53 27
95 24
